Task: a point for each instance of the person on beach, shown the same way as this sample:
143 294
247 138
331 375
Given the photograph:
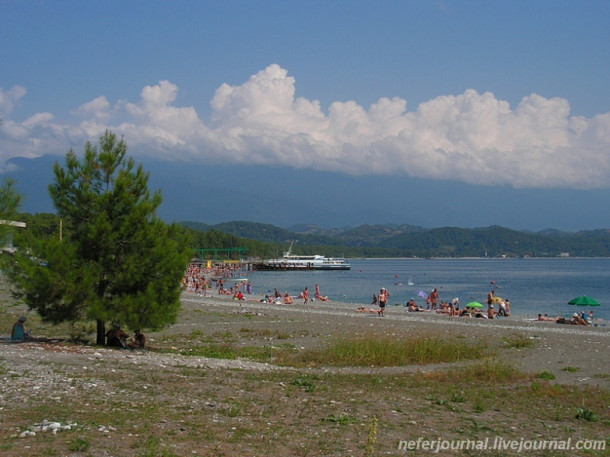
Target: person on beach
116 337
578 320
491 312
502 309
287 299
138 341
490 297
413 307
18 332
384 296
546 318
375 300
364 309
433 299
305 295
318 294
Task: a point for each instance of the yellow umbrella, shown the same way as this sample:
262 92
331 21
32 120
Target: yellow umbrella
497 299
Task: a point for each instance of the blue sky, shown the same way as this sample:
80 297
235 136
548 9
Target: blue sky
500 96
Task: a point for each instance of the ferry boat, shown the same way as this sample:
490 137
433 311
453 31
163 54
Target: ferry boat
303 262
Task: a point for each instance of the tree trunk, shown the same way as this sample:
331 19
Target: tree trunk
101 333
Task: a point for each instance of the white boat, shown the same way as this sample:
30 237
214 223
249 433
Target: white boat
304 262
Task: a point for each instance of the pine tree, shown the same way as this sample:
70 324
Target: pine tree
10 200
119 263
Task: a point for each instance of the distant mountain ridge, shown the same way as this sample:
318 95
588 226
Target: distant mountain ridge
409 240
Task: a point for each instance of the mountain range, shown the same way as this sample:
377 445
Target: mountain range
414 241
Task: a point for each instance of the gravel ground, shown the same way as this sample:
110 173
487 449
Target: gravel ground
53 394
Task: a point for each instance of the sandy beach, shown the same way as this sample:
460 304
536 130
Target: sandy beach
556 346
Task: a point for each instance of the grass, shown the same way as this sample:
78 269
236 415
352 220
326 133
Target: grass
230 412
342 419
517 341
546 375
374 350
488 372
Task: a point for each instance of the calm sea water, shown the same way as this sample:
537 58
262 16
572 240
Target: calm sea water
532 285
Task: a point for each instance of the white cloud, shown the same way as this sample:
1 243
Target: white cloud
472 137
10 98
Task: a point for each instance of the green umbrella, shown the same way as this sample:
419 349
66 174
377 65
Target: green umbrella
584 301
474 304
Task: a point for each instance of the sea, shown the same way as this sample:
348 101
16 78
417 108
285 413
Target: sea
533 285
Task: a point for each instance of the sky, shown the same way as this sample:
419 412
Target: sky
491 112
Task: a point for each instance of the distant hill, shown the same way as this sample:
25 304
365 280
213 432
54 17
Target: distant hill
414 241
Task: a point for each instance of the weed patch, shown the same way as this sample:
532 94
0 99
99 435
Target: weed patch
518 342
386 351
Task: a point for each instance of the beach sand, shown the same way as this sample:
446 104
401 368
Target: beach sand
555 346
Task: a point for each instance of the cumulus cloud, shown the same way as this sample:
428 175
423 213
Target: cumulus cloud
472 137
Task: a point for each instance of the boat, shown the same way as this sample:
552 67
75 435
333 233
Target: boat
290 261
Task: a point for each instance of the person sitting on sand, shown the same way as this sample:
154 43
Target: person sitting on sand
287 299
491 312
318 295
464 313
238 296
578 320
138 341
115 337
412 306
18 332
445 308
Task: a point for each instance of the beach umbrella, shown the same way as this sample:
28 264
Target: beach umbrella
497 299
474 304
421 293
584 301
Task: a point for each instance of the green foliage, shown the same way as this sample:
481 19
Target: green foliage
117 261
390 240
342 419
387 351
79 445
10 200
305 382
546 375
586 415
517 342
54 282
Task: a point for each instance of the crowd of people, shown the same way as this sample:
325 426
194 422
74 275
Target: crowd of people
450 308
200 279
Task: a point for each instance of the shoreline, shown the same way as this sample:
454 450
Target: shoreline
399 314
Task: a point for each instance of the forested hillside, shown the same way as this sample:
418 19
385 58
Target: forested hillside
265 240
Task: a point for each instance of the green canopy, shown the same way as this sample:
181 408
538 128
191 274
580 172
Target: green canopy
584 301
474 304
